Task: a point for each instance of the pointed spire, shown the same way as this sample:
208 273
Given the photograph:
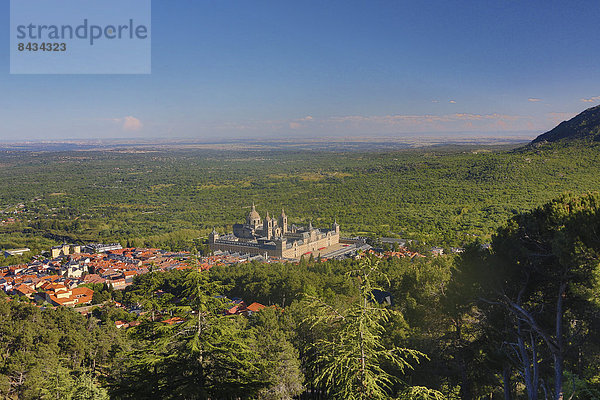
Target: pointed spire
310 227
282 213
267 217
253 206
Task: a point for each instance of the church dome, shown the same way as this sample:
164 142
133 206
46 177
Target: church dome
253 215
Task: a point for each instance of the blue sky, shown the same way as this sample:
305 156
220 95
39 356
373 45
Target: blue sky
280 68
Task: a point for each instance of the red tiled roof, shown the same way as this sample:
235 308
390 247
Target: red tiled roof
233 310
172 321
254 307
120 324
93 278
24 289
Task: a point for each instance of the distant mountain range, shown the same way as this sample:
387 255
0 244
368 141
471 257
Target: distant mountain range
583 126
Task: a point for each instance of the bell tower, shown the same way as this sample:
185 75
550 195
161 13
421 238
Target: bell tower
213 236
335 227
283 222
268 227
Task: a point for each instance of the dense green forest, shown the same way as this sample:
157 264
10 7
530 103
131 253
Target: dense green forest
514 320
518 320
168 198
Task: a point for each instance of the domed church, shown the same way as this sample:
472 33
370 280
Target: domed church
275 238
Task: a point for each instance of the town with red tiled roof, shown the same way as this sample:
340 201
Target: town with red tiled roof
64 278
60 280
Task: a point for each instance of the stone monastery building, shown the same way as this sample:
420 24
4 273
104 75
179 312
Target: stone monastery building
275 237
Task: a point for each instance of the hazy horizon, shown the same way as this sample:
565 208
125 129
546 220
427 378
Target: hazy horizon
400 137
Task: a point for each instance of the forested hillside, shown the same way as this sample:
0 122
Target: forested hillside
583 127
516 321
169 198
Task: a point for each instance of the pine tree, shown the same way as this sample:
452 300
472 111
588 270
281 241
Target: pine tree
284 369
542 274
206 355
348 363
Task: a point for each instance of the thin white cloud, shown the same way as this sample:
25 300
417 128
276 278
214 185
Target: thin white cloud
299 123
591 99
393 124
534 99
129 123
431 123
453 101
557 117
